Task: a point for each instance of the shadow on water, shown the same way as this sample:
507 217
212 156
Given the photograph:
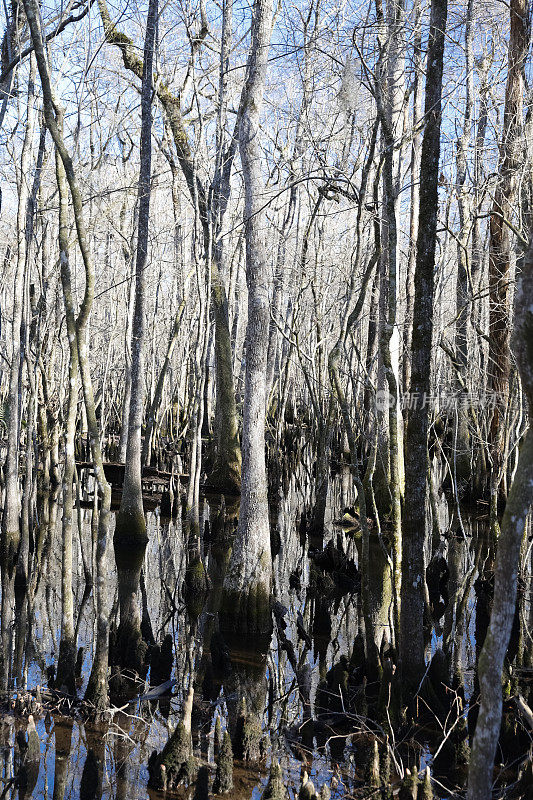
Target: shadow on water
307 696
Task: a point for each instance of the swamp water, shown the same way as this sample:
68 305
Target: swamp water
77 760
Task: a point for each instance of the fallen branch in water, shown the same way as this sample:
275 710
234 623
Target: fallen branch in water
524 710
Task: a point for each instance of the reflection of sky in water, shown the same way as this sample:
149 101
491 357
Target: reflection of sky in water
127 747
136 775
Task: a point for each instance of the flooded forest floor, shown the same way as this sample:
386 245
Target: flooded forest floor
304 698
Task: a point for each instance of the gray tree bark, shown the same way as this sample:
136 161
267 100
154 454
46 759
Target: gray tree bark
10 538
390 101
97 690
500 239
127 248
153 410
228 458
67 648
464 289
519 502
130 537
415 190
246 601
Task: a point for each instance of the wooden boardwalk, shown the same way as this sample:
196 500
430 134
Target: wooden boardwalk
155 479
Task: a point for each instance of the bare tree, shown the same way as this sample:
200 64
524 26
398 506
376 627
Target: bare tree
97 689
416 438
130 529
490 668
500 242
11 511
246 601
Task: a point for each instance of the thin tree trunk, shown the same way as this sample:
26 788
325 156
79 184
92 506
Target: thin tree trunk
519 502
390 109
228 459
415 192
126 252
151 416
464 290
66 665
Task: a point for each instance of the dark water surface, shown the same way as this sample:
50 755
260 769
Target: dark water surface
78 760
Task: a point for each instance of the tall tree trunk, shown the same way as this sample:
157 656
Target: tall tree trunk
153 410
246 602
500 244
464 289
507 559
65 677
226 472
97 689
390 98
127 255
415 191
130 537
416 439
11 512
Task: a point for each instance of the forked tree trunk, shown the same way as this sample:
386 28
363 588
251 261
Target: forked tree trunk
97 689
246 600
